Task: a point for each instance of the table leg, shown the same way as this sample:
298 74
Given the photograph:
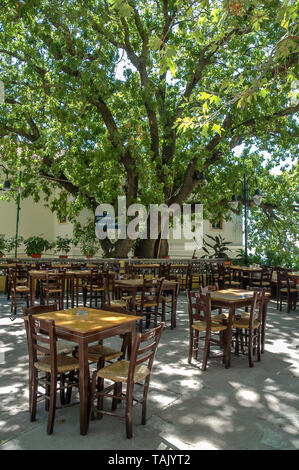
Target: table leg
84 387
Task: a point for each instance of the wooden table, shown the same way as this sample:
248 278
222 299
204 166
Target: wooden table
135 285
233 299
73 275
84 329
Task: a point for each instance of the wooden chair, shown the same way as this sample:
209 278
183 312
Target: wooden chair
264 280
18 289
213 273
200 321
43 359
123 303
247 328
229 280
224 276
94 288
62 347
149 301
286 288
131 372
53 288
195 276
167 304
164 270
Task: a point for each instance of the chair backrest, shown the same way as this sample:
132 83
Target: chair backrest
144 349
42 339
266 274
284 280
106 290
256 307
199 307
260 300
151 290
28 311
55 280
164 270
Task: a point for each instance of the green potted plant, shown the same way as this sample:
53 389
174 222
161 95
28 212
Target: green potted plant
219 247
2 244
89 248
36 245
86 238
10 243
63 246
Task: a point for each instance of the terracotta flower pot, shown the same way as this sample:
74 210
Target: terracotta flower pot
89 256
165 257
1 255
63 256
36 255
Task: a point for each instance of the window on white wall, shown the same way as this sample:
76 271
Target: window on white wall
219 225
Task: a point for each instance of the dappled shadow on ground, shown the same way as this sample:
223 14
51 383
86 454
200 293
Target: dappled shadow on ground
235 408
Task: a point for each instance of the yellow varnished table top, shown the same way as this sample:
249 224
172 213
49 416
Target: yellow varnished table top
95 320
232 295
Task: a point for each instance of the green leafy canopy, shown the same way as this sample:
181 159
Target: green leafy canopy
149 100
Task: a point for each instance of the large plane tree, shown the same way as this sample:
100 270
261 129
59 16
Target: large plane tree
149 100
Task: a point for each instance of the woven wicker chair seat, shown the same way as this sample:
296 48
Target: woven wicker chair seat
166 299
264 283
291 290
202 326
64 364
22 289
244 323
95 288
233 283
95 353
52 290
118 303
118 372
65 347
129 297
220 317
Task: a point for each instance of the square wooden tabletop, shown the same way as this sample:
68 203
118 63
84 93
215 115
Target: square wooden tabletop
76 320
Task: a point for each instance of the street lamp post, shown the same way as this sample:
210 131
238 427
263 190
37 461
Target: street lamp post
6 187
257 198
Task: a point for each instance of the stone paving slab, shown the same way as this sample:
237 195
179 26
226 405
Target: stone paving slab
188 409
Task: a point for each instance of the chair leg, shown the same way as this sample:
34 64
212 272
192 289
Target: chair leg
250 349
190 346
129 405
258 332
206 351
62 389
69 389
52 408
195 345
47 402
34 387
144 401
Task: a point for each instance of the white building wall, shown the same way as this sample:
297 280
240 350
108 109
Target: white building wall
231 232
36 219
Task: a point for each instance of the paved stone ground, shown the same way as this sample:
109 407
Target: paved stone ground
226 409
